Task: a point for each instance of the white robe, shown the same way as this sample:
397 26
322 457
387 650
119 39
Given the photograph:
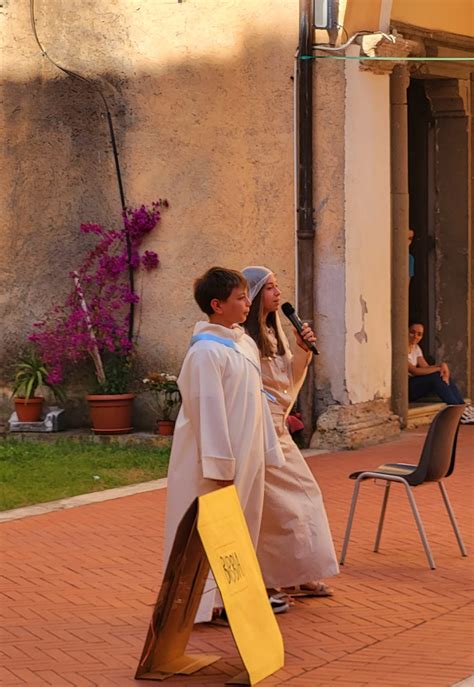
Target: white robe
224 431
295 543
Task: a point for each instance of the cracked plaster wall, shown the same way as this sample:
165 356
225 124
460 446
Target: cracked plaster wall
204 117
367 222
352 245
329 243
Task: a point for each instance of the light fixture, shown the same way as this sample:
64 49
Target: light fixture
322 14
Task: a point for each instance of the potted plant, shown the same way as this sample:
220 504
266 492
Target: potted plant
164 399
111 403
31 373
96 322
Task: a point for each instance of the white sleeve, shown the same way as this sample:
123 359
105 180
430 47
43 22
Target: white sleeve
204 398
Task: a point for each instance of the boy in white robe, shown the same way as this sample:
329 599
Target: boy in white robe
224 432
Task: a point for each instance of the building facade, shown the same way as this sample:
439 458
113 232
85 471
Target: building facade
203 101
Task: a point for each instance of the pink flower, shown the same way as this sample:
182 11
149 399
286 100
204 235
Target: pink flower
69 332
150 260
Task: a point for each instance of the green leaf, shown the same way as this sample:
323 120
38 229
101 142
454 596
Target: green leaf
29 388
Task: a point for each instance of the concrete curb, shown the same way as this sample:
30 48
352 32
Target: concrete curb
99 496
82 500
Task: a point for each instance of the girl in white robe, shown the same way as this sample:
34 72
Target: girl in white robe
295 547
224 431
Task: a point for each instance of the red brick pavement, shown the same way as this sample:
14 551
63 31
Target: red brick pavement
77 589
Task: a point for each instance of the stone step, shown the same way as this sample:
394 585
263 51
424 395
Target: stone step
422 413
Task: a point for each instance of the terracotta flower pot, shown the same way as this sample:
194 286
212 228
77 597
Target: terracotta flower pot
165 427
29 409
111 413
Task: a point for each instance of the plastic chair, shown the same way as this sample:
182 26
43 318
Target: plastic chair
436 462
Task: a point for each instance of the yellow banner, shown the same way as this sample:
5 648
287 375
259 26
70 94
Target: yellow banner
229 549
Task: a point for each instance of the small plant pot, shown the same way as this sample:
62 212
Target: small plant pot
165 427
29 409
111 413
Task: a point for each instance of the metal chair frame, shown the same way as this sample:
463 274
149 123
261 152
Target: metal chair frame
418 475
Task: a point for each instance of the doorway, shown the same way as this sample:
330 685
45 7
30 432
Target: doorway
420 177
438 180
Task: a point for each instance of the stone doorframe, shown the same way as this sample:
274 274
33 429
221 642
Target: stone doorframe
448 93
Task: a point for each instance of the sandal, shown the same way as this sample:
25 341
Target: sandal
310 589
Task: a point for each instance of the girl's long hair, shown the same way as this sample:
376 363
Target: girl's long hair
256 327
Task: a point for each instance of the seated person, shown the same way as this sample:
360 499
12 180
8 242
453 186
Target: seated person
424 379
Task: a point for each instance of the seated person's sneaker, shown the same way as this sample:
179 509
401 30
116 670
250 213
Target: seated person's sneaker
467 418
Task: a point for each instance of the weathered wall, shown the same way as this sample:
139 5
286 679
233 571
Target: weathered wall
367 222
202 101
352 255
329 244
470 299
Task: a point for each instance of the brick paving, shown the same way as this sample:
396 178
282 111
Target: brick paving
77 589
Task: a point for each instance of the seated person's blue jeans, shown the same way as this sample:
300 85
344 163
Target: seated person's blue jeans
433 384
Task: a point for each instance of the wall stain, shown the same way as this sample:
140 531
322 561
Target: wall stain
361 336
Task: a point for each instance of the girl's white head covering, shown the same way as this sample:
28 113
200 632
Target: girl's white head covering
256 276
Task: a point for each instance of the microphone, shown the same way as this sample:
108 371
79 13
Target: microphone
290 313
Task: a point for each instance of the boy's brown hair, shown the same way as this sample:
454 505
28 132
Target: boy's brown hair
217 282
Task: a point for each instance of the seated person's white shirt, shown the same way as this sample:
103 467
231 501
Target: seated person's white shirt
414 354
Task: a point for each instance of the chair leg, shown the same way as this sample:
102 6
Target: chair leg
349 521
382 516
419 524
452 518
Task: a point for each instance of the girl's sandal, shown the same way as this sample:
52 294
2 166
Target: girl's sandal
311 589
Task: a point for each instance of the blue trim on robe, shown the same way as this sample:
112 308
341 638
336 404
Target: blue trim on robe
230 343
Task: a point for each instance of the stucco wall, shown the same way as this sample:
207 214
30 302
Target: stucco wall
329 244
352 256
367 225
352 245
202 98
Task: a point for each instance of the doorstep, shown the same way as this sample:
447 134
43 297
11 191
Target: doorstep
422 413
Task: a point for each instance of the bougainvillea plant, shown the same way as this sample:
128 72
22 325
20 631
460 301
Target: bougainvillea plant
94 321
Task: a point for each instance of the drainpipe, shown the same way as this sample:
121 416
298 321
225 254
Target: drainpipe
304 194
399 81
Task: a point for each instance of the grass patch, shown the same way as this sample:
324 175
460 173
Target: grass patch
35 472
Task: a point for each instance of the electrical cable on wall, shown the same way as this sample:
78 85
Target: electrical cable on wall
96 88
388 36
349 41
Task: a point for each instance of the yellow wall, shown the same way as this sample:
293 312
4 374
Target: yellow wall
454 16
360 15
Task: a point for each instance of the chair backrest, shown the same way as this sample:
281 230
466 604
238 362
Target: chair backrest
439 450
